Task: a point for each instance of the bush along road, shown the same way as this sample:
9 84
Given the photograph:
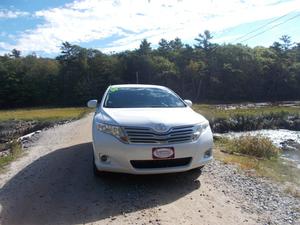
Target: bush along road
53 183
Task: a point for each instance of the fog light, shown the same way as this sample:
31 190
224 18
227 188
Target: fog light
208 153
104 158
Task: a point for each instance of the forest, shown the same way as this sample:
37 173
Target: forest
204 72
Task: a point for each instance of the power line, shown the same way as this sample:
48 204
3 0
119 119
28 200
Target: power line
264 31
253 36
262 26
276 25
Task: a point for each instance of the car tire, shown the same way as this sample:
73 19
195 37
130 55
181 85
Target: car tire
200 168
97 173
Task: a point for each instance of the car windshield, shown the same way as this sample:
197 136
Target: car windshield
141 97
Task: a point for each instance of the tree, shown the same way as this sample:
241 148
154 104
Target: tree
203 72
145 47
15 53
203 40
286 42
176 44
164 48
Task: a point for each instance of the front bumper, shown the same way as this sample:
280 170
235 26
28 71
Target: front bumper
120 155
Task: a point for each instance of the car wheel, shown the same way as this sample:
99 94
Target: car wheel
198 169
97 172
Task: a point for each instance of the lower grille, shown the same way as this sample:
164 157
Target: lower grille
161 163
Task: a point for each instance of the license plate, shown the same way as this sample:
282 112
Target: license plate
163 153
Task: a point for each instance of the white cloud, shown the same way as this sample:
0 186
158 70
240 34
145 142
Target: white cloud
10 14
88 20
7 46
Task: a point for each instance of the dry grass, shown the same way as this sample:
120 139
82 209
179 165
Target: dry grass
43 114
275 168
293 190
257 146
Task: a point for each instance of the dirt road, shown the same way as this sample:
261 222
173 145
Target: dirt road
54 184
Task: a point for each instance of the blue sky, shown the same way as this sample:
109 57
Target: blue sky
117 25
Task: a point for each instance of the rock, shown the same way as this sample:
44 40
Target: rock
255 195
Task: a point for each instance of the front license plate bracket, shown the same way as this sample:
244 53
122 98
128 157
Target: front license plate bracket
163 153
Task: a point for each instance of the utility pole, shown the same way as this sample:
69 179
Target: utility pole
137 77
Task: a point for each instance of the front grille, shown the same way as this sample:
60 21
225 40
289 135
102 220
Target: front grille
147 135
148 164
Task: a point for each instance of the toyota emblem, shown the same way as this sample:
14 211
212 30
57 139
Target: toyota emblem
160 127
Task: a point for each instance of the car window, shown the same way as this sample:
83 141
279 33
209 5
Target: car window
141 98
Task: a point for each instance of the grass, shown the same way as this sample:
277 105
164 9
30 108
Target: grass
236 118
254 155
14 152
272 167
209 111
256 146
213 112
42 117
43 114
292 190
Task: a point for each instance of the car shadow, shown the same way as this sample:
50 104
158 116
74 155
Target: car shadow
60 188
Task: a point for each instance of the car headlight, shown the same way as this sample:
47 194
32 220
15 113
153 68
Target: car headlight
113 130
198 130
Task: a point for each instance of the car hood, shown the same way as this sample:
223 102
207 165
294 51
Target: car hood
149 117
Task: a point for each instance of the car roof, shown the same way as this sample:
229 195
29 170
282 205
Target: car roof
138 86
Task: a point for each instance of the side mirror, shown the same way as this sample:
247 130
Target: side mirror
92 103
188 102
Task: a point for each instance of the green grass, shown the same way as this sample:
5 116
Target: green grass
14 153
43 114
213 112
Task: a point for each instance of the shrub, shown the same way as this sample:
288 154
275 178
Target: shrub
257 146
246 122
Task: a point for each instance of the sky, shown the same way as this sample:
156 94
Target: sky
117 25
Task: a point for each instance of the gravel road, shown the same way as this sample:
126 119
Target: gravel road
54 184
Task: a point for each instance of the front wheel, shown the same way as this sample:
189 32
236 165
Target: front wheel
97 173
198 168
201 167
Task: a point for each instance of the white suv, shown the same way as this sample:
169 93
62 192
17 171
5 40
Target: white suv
148 129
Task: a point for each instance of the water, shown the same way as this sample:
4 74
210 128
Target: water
287 140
